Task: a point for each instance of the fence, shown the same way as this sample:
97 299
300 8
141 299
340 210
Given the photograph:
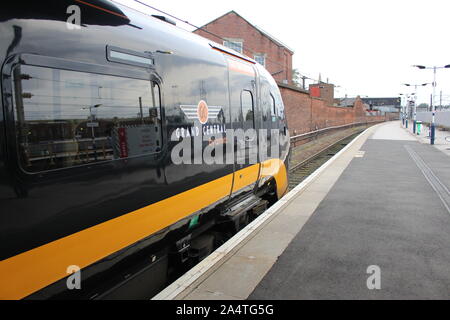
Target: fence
442 118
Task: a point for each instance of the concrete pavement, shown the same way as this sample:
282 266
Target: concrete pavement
383 211
440 142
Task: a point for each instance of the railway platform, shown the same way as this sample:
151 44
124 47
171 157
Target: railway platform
382 203
442 138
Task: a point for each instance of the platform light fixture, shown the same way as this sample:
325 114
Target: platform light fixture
415 99
433 107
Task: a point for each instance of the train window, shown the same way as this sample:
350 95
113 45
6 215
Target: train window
247 109
69 118
265 102
273 107
120 55
279 105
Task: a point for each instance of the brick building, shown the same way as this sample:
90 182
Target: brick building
323 90
239 34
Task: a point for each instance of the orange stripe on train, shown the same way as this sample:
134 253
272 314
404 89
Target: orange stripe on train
35 269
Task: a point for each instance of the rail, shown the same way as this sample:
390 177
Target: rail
294 167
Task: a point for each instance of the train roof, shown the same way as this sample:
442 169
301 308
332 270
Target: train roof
43 30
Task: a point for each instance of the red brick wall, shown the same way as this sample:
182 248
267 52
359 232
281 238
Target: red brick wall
325 90
305 113
233 26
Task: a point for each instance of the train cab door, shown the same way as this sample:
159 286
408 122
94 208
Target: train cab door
273 119
267 107
274 137
243 105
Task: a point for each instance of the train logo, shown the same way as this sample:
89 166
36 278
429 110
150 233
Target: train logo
201 112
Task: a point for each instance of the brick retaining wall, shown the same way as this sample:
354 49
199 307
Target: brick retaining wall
305 113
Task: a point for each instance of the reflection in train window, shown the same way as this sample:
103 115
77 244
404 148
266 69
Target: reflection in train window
247 109
265 102
278 104
273 109
68 118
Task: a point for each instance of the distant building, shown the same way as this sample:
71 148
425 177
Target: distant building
239 34
383 104
423 107
324 91
345 102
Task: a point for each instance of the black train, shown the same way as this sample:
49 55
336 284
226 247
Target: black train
109 121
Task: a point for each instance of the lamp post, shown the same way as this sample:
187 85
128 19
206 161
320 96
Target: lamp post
402 108
405 109
415 104
92 124
433 107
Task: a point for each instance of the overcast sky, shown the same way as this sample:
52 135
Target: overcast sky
365 47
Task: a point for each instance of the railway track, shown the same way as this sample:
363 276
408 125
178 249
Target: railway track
300 171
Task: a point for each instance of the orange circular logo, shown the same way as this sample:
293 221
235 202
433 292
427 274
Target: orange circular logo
202 112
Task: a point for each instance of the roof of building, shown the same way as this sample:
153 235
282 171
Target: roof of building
347 102
265 33
395 101
292 87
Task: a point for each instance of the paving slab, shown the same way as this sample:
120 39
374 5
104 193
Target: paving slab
392 131
250 268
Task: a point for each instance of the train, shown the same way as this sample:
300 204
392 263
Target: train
130 148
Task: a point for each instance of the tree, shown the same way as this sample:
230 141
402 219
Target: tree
296 78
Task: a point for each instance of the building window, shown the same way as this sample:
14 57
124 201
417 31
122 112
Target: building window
235 45
261 59
68 118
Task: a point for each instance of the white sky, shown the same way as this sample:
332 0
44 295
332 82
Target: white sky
365 47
